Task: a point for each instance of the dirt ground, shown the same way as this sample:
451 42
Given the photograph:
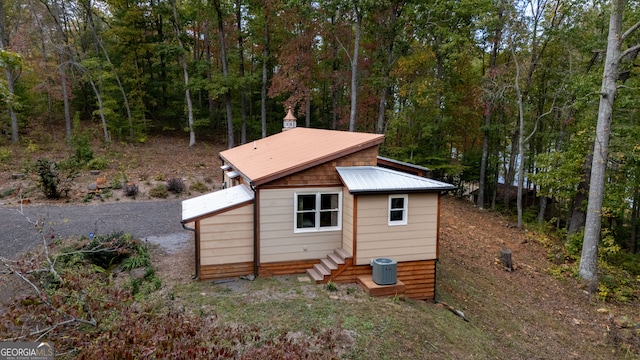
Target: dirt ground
147 165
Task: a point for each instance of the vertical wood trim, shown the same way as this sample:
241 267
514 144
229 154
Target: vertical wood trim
256 227
438 228
197 240
354 232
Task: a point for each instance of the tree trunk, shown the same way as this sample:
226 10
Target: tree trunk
113 68
634 220
487 114
506 259
243 106
589 259
354 71
225 73
265 59
185 73
4 43
56 12
543 208
107 138
520 142
210 102
485 156
578 214
307 111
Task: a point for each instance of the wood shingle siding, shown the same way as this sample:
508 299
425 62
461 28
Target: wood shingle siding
227 237
278 242
326 174
417 240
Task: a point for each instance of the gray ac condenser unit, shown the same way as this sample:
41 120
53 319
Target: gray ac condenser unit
385 271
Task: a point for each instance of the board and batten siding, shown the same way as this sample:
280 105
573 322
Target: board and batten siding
347 222
227 237
417 240
278 242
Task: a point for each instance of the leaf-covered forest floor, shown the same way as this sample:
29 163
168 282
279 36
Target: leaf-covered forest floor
527 313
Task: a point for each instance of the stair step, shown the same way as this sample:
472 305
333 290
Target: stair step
321 269
342 253
329 264
313 274
336 259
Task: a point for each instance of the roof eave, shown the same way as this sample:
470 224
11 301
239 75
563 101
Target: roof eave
399 191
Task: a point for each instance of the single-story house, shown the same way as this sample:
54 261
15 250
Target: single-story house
317 201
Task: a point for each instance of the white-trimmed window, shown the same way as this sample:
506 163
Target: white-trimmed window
318 211
398 209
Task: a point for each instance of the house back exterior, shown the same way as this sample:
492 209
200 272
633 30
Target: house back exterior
316 201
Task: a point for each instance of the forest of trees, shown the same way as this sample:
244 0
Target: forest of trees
483 92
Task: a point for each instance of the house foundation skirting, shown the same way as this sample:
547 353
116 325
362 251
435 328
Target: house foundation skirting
285 267
225 271
418 277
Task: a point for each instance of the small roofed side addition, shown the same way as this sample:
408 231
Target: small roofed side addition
374 179
215 202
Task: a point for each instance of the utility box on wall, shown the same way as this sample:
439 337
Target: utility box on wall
385 271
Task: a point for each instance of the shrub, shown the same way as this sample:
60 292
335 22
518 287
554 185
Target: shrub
48 178
159 191
52 181
140 258
130 189
175 185
5 155
83 152
199 187
98 163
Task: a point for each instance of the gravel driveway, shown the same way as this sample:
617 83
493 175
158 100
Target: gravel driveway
154 221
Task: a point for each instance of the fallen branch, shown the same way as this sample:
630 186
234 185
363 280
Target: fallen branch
453 310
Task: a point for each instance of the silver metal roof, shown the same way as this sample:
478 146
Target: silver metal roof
404 163
372 179
215 201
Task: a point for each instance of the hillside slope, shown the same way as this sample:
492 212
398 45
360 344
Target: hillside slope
528 311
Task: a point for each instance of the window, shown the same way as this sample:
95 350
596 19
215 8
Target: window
318 211
398 205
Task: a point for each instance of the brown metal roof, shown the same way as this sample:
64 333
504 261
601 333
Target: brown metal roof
295 150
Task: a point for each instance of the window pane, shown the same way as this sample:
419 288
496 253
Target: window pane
306 202
397 203
328 201
306 220
328 218
396 215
